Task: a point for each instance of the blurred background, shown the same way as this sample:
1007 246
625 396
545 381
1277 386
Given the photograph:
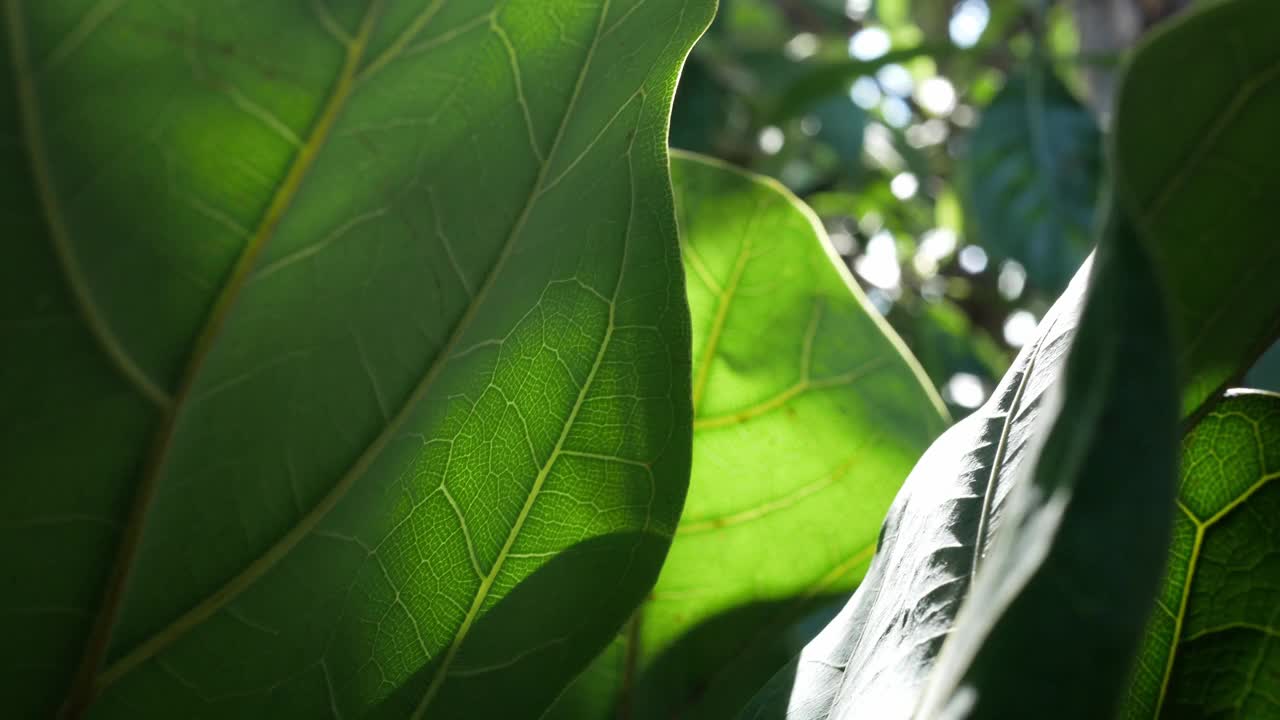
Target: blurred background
952 148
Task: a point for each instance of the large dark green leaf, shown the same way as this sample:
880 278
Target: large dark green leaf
1210 647
345 360
808 412
1031 177
1200 180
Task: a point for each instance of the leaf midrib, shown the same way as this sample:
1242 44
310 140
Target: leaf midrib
1011 416
1201 527
205 609
88 681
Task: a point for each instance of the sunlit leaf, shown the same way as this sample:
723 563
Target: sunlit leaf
1209 646
352 335
808 414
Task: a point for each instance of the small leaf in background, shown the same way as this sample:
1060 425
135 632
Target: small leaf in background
1031 175
1210 646
352 335
700 109
840 125
808 413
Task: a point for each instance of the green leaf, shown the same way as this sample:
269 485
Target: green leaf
808 412
1201 182
1005 550
1031 175
1050 576
1209 646
979 542
346 362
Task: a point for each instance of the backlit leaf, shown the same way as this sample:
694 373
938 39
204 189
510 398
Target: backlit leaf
808 414
1210 646
352 335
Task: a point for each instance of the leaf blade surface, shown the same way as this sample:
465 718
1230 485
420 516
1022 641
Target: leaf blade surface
420 333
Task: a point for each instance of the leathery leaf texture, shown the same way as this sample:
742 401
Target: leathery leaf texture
1210 649
1002 542
346 356
809 412
1200 183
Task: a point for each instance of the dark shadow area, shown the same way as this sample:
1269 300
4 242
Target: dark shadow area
716 667
550 626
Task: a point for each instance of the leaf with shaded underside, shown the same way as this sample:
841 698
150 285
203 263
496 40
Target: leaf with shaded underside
880 655
808 413
352 335
1211 645
1200 183
1031 174
1050 576
978 531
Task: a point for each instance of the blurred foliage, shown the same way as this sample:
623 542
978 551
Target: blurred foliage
943 143
1031 176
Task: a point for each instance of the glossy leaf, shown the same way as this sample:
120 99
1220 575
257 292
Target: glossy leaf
351 335
1201 182
808 413
1044 539
1031 175
982 487
1210 646
1050 576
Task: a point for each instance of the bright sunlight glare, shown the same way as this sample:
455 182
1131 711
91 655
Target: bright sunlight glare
973 259
865 92
869 43
879 264
937 96
1019 328
968 21
964 389
904 186
771 139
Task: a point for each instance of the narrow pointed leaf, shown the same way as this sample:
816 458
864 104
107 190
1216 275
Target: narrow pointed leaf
345 364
